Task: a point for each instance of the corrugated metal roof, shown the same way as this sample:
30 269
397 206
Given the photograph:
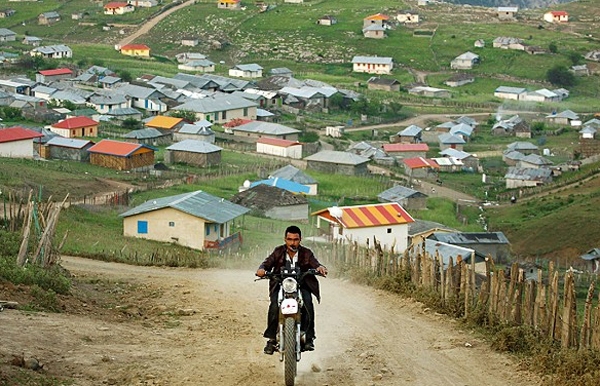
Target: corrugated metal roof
408 147
364 216
277 142
338 157
420 162
267 128
75 123
194 146
199 204
73 143
291 173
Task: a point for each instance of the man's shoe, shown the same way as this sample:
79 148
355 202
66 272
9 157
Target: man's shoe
309 346
270 347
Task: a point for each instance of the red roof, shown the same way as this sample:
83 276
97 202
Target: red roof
420 162
108 146
369 215
559 13
56 71
75 123
17 133
277 142
135 47
377 16
397 147
237 122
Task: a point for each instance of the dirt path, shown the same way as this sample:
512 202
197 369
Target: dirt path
204 327
149 24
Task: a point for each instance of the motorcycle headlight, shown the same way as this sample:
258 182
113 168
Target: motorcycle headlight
289 285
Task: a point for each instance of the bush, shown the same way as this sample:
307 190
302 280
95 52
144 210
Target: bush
517 340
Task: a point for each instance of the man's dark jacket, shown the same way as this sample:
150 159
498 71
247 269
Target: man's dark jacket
306 260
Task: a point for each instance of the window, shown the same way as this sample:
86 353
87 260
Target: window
224 115
171 223
142 227
207 230
389 230
246 110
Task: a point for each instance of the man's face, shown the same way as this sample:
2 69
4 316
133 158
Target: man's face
292 241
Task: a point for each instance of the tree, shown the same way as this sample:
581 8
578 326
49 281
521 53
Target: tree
131 124
560 76
575 57
188 116
552 47
125 75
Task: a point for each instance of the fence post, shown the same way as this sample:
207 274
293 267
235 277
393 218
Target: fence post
595 333
569 323
553 306
585 335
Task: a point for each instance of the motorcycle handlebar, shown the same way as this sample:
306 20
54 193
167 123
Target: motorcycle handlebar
270 274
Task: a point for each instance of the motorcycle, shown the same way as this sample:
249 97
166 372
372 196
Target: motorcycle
291 337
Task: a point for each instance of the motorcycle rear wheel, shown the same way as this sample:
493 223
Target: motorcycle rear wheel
289 344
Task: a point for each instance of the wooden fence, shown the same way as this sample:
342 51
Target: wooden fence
507 298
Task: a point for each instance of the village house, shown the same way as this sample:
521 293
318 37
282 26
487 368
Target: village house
430 92
507 13
506 92
406 150
246 71
121 155
513 126
556 17
410 134
143 3
460 79
220 108
193 152
374 31
327 20
408 17
47 76
7 13
105 102
33 41
146 98
379 83
494 244
372 64
279 147
469 161
75 127
293 174
17 142
253 130
118 8
592 260
508 43
588 132
190 42
378 19
200 131
517 177
165 123
109 82
464 61
306 97
148 136
580 70
200 65
420 167
273 202
234 5
451 141
196 220
387 223
48 18
408 198
59 51
7 35
338 162
593 56
566 117
69 149
140 50
449 164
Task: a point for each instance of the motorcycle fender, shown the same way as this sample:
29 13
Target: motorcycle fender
289 306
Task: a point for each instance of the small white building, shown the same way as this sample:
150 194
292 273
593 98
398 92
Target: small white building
246 71
386 222
373 64
279 147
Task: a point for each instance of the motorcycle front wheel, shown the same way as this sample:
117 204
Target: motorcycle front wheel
289 337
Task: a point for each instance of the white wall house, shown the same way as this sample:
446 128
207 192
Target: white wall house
372 64
387 222
279 147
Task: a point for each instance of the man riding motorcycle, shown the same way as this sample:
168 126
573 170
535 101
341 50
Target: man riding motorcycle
289 255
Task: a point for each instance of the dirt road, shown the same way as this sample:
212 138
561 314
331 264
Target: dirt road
150 23
175 326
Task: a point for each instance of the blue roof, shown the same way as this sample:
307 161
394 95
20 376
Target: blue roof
283 184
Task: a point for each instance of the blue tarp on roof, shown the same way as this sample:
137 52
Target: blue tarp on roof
281 183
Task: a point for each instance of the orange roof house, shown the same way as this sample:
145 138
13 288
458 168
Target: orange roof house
229 4
76 127
421 167
386 222
556 17
122 155
135 50
45 76
163 122
118 8
377 19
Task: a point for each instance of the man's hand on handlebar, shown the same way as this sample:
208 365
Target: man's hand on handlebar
261 272
322 270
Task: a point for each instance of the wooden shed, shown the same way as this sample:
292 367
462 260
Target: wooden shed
122 155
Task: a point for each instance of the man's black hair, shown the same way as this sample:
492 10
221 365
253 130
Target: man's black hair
294 230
